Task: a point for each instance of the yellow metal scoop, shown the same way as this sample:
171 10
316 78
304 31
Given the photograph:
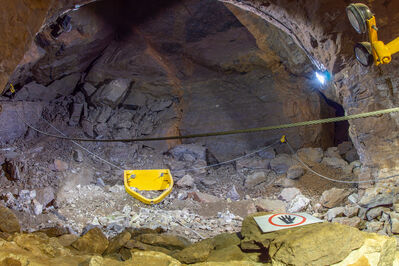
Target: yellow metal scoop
147 180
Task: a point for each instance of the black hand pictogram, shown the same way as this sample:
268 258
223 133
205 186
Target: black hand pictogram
287 219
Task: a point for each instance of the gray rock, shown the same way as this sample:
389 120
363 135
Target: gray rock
332 152
112 93
255 179
299 203
89 89
313 155
351 211
186 181
135 99
374 226
335 162
45 195
268 205
160 105
88 128
285 182
377 196
35 92
104 115
333 197
344 147
78 156
295 172
100 182
267 154
376 212
394 222
353 221
335 212
289 194
281 163
77 109
11 125
66 85
233 194
351 156
199 152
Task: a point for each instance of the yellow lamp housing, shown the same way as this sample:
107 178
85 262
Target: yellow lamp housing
362 20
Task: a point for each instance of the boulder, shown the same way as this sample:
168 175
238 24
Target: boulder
112 93
55 231
299 203
197 252
233 194
35 92
268 205
88 89
67 240
94 241
11 124
310 155
77 109
374 226
335 162
117 242
202 197
295 172
255 179
300 248
332 152
289 194
151 258
267 154
335 212
374 213
228 254
351 156
8 221
344 147
378 196
64 86
198 151
160 105
314 244
353 221
334 197
167 241
394 217
351 211
281 163
186 181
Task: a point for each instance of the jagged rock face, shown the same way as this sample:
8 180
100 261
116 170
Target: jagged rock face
324 31
217 66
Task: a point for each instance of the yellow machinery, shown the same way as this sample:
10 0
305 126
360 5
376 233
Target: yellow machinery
148 180
362 20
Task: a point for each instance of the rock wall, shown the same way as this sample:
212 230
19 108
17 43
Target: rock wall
323 30
214 66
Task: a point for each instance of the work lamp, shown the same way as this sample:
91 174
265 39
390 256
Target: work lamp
358 14
363 53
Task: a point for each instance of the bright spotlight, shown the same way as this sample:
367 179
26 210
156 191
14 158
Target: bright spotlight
321 78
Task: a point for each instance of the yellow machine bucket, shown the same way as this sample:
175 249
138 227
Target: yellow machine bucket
145 180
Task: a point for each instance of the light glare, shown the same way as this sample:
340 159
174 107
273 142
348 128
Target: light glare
321 78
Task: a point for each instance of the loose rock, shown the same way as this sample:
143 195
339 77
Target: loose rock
295 172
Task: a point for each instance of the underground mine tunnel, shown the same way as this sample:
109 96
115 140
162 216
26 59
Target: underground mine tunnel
199 132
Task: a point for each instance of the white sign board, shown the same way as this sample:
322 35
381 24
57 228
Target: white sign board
279 221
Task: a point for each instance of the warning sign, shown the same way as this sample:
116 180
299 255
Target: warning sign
274 222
